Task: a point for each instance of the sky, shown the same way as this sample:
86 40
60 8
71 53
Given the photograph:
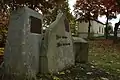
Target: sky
71 3
102 19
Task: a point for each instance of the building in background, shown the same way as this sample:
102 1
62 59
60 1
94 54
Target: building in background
97 29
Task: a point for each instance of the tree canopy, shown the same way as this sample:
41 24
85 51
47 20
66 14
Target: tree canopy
95 8
85 9
42 5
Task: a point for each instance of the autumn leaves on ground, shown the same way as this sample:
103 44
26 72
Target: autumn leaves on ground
104 54
104 64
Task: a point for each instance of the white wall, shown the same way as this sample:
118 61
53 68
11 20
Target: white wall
83 27
96 28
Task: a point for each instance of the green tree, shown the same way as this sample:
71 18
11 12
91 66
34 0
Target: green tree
4 19
51 16
66 9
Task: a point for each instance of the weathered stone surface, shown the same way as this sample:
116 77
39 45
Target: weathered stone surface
58 46
22 49
80 49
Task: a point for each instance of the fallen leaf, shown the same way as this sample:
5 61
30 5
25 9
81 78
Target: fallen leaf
56 78
76 78
62 73
92 67
104 78
118 70
68 71
89 73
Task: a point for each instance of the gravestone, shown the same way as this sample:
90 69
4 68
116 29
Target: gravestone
57 52
22 48
80 49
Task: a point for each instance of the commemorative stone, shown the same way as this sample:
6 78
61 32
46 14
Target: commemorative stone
57 45
22 48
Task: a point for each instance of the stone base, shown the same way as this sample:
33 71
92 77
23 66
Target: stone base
81 50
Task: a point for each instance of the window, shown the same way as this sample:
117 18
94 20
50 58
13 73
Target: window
36 25
99 29
66 25
102 30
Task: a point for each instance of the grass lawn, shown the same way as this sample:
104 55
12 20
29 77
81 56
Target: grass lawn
106 55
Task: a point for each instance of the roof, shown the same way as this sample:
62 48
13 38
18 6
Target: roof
98 21
94 20
79 40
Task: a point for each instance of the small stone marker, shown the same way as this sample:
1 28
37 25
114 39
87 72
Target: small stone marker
22 49
57 52
80 49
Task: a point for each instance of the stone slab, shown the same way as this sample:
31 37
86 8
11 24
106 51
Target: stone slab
80 49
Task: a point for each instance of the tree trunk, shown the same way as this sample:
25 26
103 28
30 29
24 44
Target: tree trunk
115 31
89 29
89 25
106 29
